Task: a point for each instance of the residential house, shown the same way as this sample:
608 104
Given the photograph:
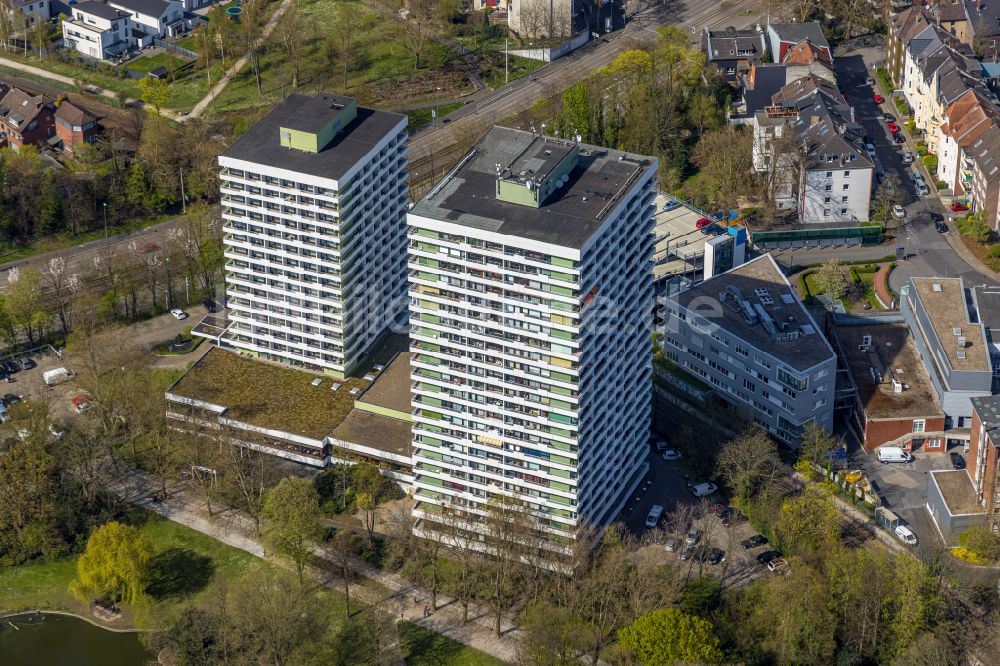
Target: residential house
901 29
26 119
985 184
75 126
984 25
834 179
783 37
962 123
157 18
764 80
733 51
940 77
953 19
32 11
97 30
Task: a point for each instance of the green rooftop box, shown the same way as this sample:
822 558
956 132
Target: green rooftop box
536 173
314 125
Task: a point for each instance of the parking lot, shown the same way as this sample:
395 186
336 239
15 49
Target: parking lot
28 384
903 488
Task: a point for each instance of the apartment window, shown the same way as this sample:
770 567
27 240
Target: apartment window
847 174
826 212
847 186
749 385
843 199
829 174
760 360
827 199
829 188
918 425
742 351
843 211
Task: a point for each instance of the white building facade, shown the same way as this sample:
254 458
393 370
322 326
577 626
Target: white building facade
314 201
96 30
530 320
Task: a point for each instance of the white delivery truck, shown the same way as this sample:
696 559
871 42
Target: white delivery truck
893 454
56 376
654 516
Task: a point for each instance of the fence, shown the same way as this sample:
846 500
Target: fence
871 235
177 49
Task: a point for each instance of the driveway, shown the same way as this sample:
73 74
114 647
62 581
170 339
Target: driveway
903 488
165 327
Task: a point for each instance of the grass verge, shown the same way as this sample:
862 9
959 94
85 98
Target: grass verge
422 647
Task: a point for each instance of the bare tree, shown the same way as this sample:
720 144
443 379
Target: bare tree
290 35
507 531
415 28
62 288
346 22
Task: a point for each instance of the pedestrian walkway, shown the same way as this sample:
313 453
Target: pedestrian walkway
231 73
394 594
882 290
958 245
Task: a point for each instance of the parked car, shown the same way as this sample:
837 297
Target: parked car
941 227
693 535
898 138
661 446
179 314
755 541
898 211
10 366
715 555
687 551
922 189
702 223
703 489
655 512
892 454
893 127
957 461
671 454
907 158
878 99
778 565
672 543
906 535
889 118
11 399
732 517
81 403
958 207
767 556
25 363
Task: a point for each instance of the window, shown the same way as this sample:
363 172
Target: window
826 212
749 385
742 351
918 425
829 174
847 186
829 188
847 174
827 199
843 211
843 199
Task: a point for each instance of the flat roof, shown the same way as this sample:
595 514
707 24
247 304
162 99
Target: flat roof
893 354
987 299
943 300
268 395
391 388
261 144
383 433
957 491
680 247
568 217
760 282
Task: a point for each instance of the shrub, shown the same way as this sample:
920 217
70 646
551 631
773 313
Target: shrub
981 542
941 185
994 251
967 555
930 161
902 106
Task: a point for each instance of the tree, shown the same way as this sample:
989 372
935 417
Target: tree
830 279
816 444
887 196
725 158
415 30
347 20
291 521
63 288
24 303
114 565
668 636
291 36
552 636
507 534
792 620
808 523
370 491
749 464
29 504
248 475
154 92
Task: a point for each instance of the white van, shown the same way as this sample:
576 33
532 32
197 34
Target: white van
654 516
904 534
56 376
893 454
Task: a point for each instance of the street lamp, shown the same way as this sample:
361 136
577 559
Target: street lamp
105 222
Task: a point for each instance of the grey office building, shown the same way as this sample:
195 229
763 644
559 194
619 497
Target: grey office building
951 341
747 334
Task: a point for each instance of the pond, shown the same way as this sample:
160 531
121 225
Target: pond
59 640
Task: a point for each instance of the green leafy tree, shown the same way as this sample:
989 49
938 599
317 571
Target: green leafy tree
25 305
291 521
114 565
29 504
792 621
808 523
816 442
830 279
670 636
154 92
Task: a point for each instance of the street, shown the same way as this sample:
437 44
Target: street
929 253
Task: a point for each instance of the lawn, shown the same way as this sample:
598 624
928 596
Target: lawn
79 71
421 647
189 43
861 288
146 64
422 117
46 585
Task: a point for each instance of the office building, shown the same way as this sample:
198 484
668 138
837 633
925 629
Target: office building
746 334
314 200
530 312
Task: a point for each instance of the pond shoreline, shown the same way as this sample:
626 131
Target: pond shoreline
38 611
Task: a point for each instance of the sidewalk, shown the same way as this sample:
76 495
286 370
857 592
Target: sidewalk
882 291
958 245
236 530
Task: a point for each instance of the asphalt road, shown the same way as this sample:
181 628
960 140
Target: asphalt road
490 106
929 252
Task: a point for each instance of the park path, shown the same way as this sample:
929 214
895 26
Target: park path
882 291
46 74
231 73
236 529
